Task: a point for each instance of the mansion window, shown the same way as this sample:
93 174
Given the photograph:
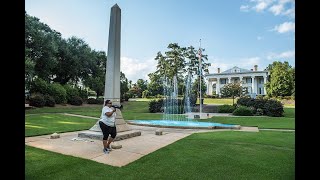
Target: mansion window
248 80
260 81
223 81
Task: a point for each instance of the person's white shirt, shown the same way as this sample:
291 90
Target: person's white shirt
109 121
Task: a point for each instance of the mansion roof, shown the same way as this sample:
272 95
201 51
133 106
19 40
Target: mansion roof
236 70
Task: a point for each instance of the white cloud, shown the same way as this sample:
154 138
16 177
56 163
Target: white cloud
276 9
248 63
259 38
219 63
223 64
285 27
290 13
260 6
282 55
244 8
135 69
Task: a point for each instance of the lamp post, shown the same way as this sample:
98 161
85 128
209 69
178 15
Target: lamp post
200 75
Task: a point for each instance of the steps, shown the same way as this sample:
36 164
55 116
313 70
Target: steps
99 136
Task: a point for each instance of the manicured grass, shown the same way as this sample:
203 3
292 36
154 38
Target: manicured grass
139 110
65 109
286 122
39 124
217 101
213 155
260 122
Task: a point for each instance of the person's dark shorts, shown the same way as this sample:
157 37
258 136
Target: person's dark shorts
106 130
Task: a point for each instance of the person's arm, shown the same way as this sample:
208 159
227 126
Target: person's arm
110 113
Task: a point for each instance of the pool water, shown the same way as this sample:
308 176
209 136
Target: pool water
181 123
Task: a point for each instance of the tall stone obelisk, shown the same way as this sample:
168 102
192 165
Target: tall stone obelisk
112 81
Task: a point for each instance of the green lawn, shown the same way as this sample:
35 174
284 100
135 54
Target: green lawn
286 122
39 124
214 155
217 101
139 110
217 155
65 109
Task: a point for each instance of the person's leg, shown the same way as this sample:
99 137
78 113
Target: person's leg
105 133
113 133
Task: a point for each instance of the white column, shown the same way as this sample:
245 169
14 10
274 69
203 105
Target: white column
253 85
229 79
209 87
240 78
264 85
112 82
218 87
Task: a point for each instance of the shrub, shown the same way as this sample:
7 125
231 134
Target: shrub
243 101
58 93
126 96
155 105
159 96
259 112
243 111
92 93
39 86
193 99
211 96
83 93
76 100
255 104
273 108
94 101
49 101
37 100
70 92
226 108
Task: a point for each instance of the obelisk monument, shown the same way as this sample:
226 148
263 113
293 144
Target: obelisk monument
112 81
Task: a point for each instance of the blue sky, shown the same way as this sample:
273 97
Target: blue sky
233 32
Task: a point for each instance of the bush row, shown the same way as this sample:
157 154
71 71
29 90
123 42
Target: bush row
159 105
55 93
262 106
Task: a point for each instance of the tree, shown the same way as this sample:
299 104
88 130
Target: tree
95 78
41 47
139 87
124 85
175 61
281 81
29 73
231 90
156 84
195 87
174 64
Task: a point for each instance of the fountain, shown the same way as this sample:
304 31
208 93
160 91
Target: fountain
177 113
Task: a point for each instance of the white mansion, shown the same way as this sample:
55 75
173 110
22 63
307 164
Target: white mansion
252 79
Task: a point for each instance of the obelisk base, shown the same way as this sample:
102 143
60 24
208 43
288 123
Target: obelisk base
123 130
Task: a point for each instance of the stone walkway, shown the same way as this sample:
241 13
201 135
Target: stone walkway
132 148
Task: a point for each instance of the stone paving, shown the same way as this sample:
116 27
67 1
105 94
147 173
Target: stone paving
132 149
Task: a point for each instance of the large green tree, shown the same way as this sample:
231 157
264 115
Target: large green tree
96 72
281 80
232 90
174 63
124 85
41 47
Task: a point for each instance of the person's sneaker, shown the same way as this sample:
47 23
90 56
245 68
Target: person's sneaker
109 148
106 151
